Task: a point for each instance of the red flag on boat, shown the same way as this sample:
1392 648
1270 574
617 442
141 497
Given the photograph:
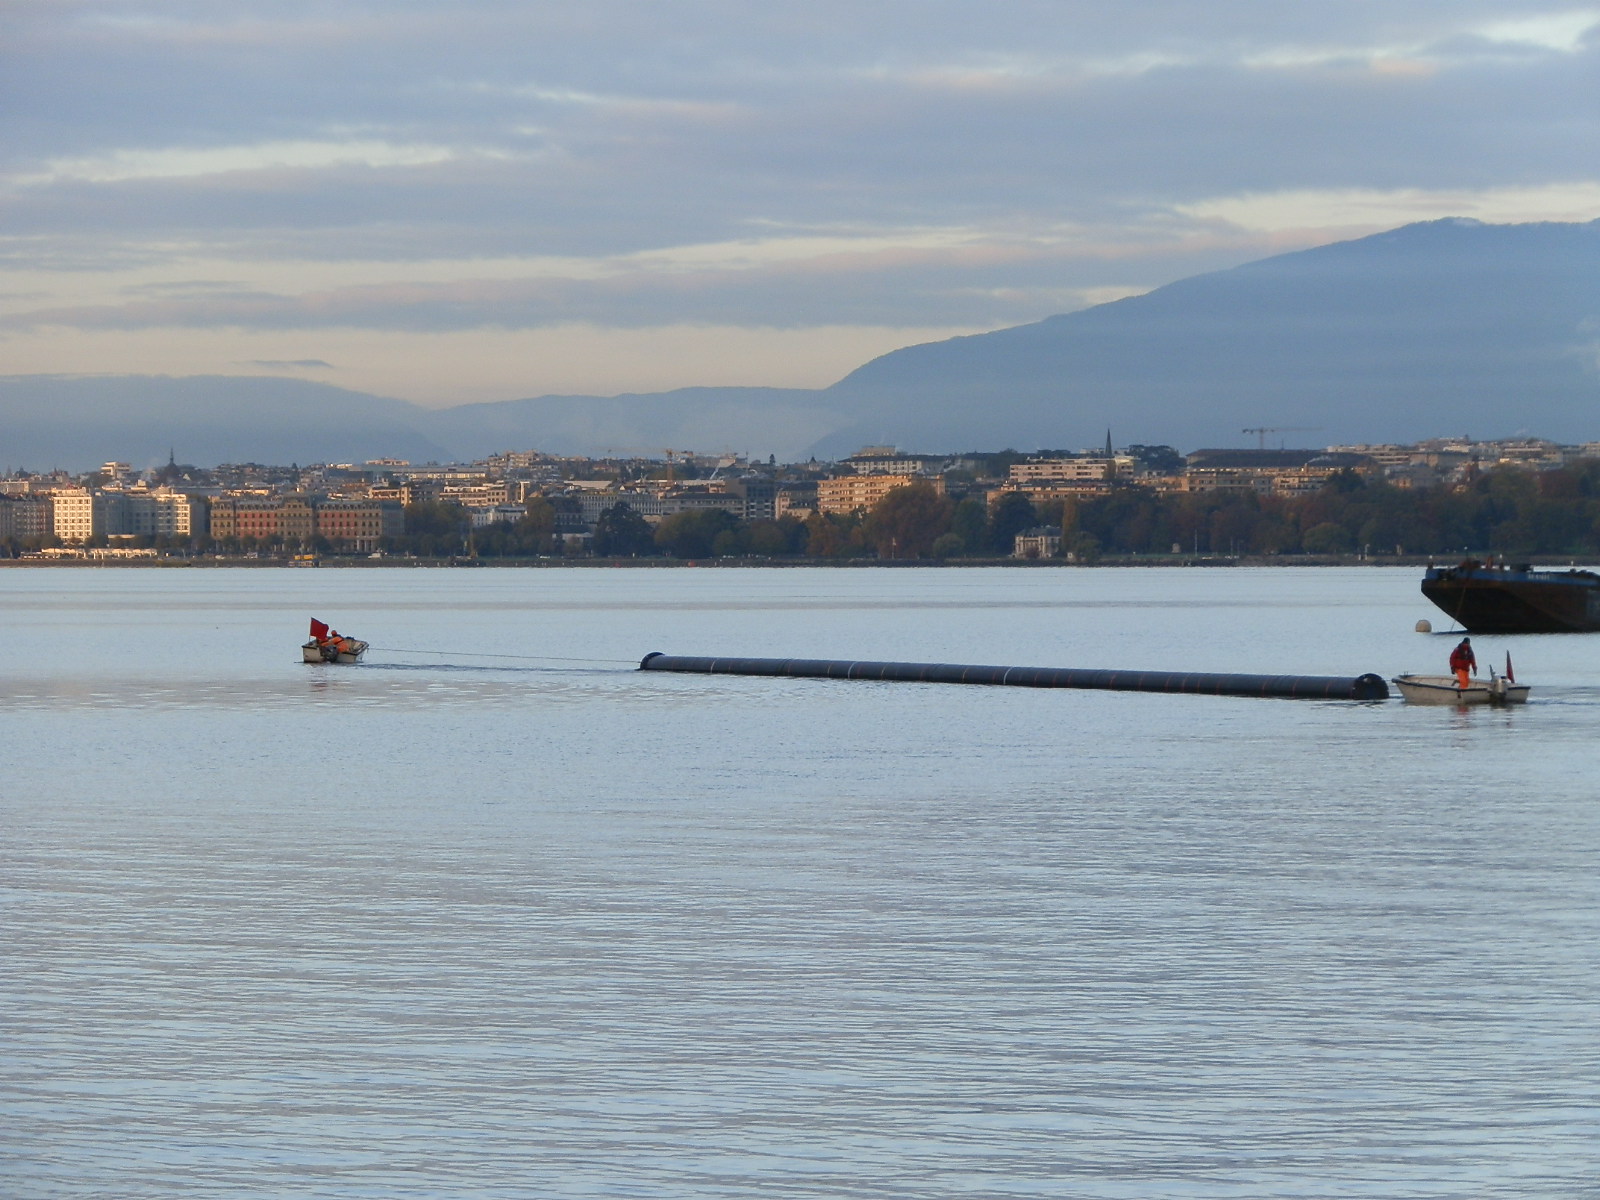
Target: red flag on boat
1510 674
319 631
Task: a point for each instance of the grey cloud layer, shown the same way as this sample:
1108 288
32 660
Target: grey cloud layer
618 127
986 285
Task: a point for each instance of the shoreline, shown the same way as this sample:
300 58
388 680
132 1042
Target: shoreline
1414 561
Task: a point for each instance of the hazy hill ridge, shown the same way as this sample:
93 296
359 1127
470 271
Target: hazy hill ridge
1442 327
1435 328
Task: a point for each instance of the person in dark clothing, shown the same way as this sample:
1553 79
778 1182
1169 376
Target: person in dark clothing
1463 662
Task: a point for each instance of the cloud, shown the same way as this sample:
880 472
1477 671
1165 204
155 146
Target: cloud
950 277
1367 208
289 364
1563 32
499 165
181 162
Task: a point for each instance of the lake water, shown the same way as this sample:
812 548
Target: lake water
443 925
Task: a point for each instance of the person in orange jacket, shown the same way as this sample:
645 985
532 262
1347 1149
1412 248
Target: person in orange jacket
1463 662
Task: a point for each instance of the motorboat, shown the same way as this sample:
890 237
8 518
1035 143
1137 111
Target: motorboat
1443 689
330 646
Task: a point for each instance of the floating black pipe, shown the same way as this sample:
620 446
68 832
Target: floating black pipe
1292 687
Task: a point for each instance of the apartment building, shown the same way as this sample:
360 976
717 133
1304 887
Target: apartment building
1267 472
350 524
477 495
78 514
358 524
886 460
159 513
24 516
795 499
856 493
1042 491
1073 470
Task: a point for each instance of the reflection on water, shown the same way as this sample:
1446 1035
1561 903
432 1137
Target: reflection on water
506 929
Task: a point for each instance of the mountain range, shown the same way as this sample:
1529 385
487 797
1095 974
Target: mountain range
1439 328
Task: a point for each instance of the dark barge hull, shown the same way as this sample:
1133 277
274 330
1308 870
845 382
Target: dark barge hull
1487 599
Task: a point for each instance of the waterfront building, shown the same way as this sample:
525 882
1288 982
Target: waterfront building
24 517
78 514
1042 541
359 524
295 520
500 514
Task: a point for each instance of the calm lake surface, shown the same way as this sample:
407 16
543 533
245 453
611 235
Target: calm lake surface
441 925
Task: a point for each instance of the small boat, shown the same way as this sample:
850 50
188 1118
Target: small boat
1442 689
1490 598
330 646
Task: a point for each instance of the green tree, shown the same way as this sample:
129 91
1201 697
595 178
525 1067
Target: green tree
1011 515
1326 538
771 538
731 543
693 534
907 521
435 528
621 532
969 524
1084 547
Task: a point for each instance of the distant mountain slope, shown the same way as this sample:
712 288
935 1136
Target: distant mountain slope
1441 327
759 421
79 422
1445 327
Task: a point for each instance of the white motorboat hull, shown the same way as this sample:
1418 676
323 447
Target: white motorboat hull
313 653
1442 689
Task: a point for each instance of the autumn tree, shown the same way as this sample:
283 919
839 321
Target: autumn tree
907 521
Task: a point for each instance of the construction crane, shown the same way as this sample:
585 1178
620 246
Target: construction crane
1261 431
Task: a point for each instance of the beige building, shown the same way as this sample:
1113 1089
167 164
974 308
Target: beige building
886 460
477 495
1043 491
1268 472
161 513
856 493
77 514
349 524
359 524
798 500
1042 541
1073 470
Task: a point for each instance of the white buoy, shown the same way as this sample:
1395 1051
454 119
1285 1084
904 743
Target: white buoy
1424 626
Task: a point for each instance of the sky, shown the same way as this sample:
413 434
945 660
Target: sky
473 200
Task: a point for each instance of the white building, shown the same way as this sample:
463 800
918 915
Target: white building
77 514
500 514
